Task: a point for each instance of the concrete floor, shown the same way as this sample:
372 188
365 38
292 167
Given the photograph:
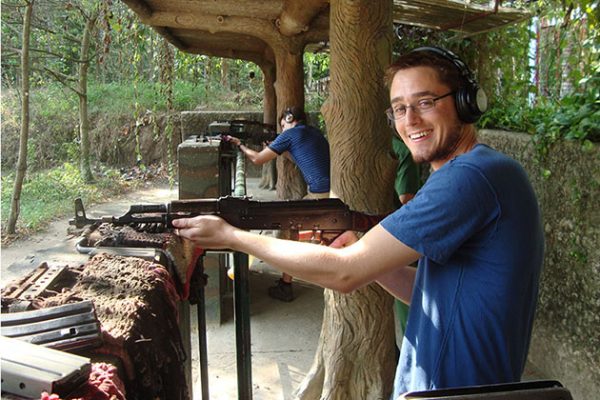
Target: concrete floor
284 337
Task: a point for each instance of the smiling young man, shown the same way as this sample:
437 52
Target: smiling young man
474 227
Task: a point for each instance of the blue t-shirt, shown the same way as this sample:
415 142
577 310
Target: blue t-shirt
310 151
476 223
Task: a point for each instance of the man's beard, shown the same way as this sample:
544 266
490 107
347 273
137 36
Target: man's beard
445 149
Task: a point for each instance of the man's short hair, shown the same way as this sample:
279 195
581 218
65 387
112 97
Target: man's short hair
447 72
293 113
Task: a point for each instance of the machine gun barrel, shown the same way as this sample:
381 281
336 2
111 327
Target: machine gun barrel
249 132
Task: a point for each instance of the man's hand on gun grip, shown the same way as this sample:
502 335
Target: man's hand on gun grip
232 139
206 231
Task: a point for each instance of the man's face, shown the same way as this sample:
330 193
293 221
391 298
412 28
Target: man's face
432 135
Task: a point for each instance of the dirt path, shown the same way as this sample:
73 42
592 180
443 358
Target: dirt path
56 244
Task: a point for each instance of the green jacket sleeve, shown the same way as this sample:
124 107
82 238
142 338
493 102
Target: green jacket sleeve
407 173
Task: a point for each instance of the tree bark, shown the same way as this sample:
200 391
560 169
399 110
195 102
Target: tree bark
15 204
289 89
84 121
269 170
355 358
225 83
356 354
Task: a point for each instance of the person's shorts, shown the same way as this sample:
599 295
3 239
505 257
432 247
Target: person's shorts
311 195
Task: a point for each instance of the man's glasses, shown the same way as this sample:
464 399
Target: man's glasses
422 106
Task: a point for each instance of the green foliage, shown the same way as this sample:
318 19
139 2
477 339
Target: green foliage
53 126
576 117
47 194
319 63
118 98
543 109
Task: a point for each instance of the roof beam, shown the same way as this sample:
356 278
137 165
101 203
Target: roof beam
297 16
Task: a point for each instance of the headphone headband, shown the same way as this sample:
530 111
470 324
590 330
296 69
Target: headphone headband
471 100
465 72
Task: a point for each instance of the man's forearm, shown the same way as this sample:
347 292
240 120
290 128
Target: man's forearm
251 154
257 157
399 282
322 265
345 269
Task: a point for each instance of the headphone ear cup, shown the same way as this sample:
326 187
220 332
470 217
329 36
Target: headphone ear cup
462 105
471 103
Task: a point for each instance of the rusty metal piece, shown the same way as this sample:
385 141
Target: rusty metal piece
109 235
41 279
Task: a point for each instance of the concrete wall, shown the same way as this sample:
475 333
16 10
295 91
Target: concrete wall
566 338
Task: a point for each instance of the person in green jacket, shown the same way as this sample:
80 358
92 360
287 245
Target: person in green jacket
406 184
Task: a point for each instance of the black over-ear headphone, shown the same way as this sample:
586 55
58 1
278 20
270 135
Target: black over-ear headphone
288 115
470 100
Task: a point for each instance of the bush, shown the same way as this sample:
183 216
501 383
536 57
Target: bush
49 194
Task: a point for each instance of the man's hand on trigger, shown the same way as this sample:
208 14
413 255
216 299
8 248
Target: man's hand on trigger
345 239
206 231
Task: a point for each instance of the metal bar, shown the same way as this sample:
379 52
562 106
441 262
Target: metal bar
44 314
242 325
29 369
202 345
56 323
226 159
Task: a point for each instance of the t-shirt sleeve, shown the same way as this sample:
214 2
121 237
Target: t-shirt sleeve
455 202
281 143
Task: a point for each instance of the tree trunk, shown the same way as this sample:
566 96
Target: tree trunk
566 66
24 135
289 89
225 74
84 122
269 170
356 354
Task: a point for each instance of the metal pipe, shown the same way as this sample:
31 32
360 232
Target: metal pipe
240 175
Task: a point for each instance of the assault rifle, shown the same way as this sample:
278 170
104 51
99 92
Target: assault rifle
327 218
249 132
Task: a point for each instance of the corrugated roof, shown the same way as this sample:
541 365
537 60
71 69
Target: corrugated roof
465 17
